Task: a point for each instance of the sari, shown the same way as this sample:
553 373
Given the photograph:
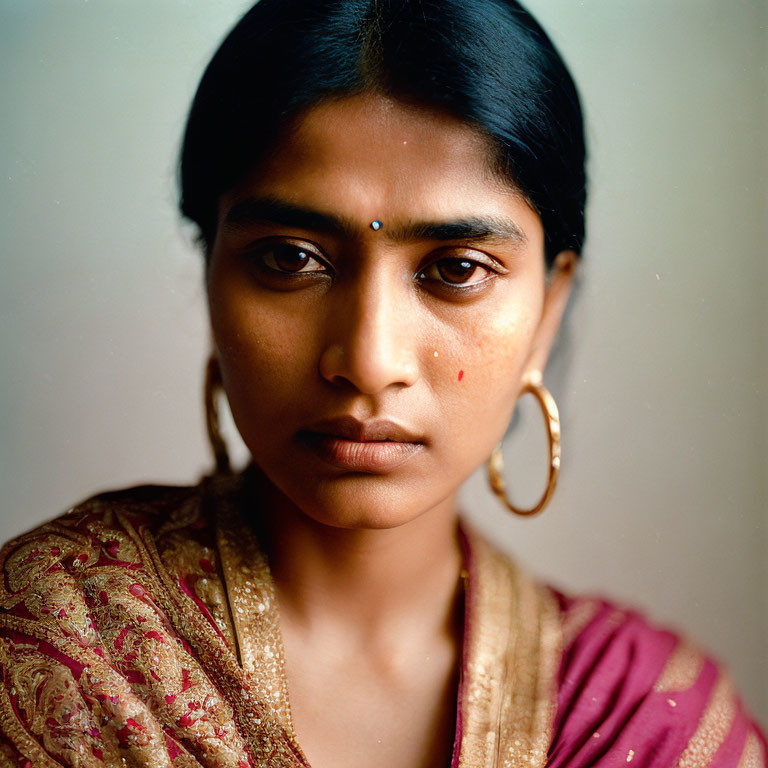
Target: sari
140 628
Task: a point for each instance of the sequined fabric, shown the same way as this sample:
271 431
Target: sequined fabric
119 647
141 629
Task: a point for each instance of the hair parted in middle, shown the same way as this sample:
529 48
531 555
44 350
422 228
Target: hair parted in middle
485 62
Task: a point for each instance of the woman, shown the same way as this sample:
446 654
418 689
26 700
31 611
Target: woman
390 201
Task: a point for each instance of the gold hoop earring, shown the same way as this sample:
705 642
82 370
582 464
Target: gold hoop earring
213 387
496 461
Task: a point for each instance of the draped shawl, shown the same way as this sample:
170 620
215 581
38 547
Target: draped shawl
141 629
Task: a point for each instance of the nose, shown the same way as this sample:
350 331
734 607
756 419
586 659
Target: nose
372 339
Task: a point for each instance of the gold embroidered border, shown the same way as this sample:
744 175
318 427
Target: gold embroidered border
514 640
714 726
488 634
753 755
267 743
255 614
256 622
682 669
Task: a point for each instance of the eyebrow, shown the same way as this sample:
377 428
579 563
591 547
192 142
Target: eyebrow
253 211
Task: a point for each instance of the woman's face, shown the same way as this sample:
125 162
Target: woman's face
429 321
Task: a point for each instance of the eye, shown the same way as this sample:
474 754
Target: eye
457 272
290 259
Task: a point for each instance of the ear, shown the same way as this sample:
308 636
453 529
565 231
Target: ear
555 300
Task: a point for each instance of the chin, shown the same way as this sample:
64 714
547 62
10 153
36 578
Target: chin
352 500
357 520
359 502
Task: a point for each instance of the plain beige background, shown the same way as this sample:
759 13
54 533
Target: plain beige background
661 375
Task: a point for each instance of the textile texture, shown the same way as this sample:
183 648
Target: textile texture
141 629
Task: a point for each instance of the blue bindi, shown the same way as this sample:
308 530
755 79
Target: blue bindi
376 225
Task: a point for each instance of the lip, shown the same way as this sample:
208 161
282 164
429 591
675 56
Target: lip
375 446
375 430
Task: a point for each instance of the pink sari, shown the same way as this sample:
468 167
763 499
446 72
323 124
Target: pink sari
141 629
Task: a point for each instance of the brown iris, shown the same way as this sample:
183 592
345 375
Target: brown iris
456 270
290 258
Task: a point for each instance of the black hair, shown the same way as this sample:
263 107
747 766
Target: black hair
486 62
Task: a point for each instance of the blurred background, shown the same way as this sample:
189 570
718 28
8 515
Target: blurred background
661 373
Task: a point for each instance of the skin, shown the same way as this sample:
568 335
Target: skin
367 564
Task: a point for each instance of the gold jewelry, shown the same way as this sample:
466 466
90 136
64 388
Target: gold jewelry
213 387
552 419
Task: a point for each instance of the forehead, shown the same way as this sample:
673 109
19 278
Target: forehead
373 126
377 144
369 157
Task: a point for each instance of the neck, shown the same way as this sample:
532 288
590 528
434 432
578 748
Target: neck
373 582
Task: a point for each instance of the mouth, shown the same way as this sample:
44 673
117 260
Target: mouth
374 456
356 446
373 430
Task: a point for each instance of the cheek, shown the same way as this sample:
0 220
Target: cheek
482 365
263 348
493 349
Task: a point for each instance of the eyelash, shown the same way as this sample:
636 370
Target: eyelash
265 252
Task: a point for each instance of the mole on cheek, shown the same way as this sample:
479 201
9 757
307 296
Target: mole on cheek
461 375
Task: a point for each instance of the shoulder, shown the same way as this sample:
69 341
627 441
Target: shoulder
629 689
96 626
102 529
